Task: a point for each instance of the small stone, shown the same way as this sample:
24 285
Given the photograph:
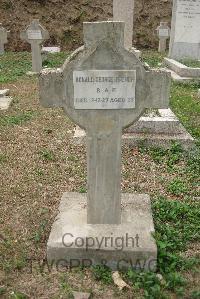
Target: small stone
159 276
80 295
161 279
5 102
198 93
4 92
52 50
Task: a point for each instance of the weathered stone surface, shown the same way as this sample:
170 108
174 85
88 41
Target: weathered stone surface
35 35
73 242
185 38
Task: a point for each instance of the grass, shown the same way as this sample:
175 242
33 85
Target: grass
14 66
185 103
55 60
190 63
18 119
177 225
152 58
38 162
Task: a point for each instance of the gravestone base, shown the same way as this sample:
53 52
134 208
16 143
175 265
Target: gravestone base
74 243
181 72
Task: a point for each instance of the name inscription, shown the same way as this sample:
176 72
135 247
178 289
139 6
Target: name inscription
187 21
34 34
104 89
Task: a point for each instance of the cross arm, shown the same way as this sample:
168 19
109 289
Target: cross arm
159 82
51 86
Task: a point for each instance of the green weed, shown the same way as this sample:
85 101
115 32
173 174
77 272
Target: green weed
18 295
16 119
177 187
83 190
55 60
152 58
190 63
47 155
102 273
39 233
3 158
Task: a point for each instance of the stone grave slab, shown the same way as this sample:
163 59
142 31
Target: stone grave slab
181 72
105 64
35 35
150 130
46 50
52 50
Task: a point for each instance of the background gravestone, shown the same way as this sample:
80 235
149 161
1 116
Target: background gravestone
185 37
3 38
163 32
35 35
103 88
124 11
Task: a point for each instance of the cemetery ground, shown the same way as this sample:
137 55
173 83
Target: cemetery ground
38 162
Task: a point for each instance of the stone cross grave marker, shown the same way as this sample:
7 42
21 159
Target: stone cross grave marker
185 27
163 32
103 88
3 38
35 35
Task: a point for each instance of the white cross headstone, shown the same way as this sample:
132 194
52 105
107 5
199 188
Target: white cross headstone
103 88
185 30
163 32
35 35
3 38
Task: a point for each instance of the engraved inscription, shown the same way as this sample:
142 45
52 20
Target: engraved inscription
34 34
104 89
